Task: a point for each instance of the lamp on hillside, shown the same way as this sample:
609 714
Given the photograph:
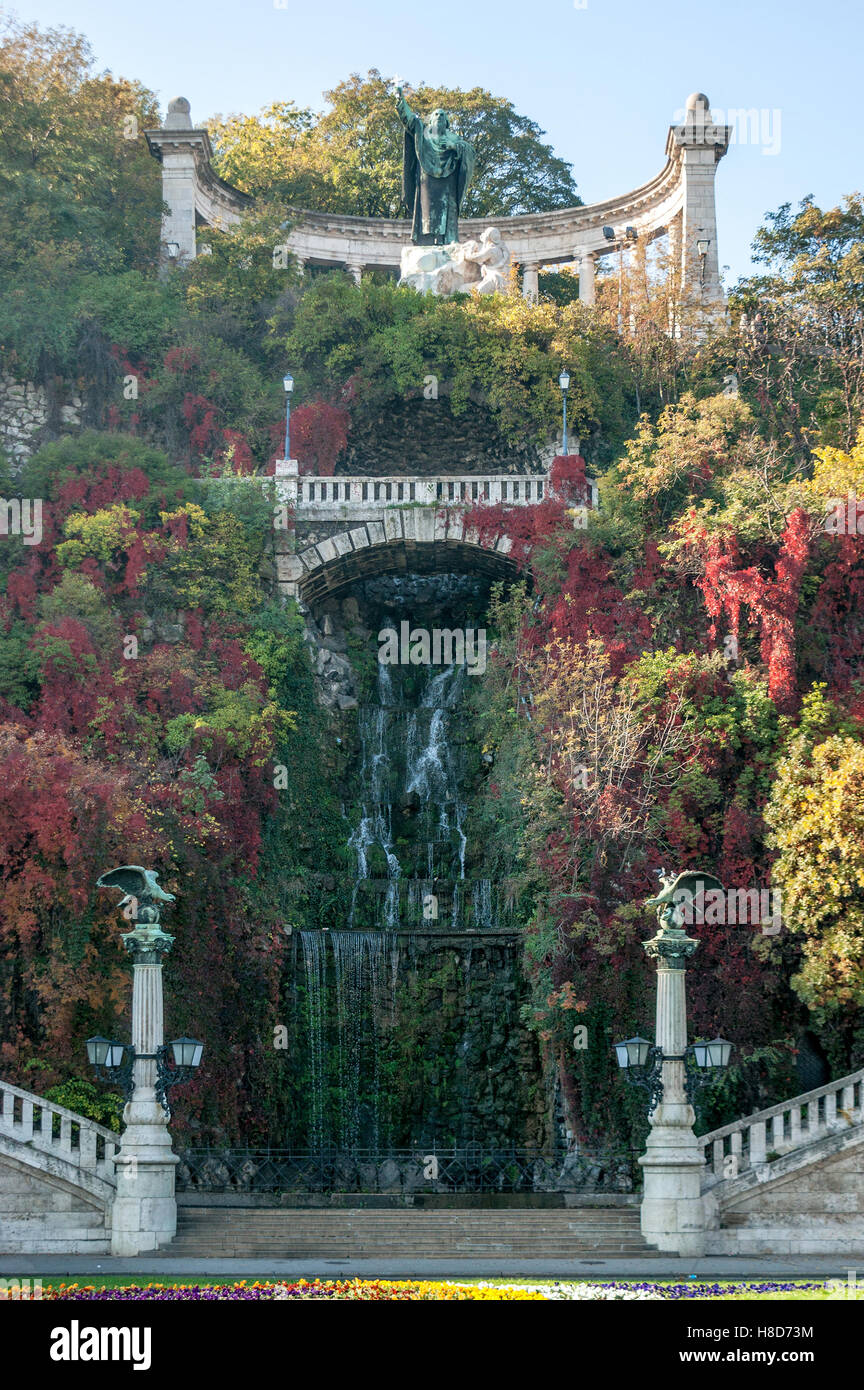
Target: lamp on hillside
288 385
702 244
564 383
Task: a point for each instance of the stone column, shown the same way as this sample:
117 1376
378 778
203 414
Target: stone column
699 145
585 263
673 1216
285 495
144 1211
179 181
356 269
530 281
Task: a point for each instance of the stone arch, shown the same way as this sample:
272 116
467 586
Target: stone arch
416 539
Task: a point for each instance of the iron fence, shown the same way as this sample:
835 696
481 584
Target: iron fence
467 1169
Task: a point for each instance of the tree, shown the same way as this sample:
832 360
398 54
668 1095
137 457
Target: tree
816 816
800 342
79 192
349 159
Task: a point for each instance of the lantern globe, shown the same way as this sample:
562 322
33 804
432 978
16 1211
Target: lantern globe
633 1052
186 1051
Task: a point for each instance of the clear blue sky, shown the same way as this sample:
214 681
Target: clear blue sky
603 81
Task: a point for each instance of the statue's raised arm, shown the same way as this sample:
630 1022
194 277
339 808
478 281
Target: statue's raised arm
403 110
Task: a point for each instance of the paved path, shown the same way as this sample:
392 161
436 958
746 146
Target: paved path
168 1270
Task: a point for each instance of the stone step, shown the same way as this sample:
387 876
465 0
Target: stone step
51 1220
249 1233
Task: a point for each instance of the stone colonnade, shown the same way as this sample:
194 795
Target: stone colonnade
679 203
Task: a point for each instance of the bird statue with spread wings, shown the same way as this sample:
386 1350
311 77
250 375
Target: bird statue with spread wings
140 906
675 903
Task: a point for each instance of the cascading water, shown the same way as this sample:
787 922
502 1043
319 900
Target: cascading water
313 964
355 971
409 1031
408 763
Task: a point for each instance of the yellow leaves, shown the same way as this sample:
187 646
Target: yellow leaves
835 472
197 519
816 816
100 534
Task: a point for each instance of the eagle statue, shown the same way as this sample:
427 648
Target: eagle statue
678 894
142 894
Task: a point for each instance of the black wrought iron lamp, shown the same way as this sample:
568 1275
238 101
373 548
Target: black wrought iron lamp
702 244
176 1063
642 1064
564 383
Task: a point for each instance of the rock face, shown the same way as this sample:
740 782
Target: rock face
328 644
28 417
482 265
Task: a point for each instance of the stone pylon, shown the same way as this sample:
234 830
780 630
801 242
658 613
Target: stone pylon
144 1212
673 1216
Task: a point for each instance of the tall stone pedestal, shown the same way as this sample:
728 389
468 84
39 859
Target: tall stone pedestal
673 1216
144 1212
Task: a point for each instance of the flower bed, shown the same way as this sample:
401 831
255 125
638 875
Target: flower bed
377 1290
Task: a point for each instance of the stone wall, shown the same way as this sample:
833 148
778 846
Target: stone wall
414 435
29 417
817 1208
43 1215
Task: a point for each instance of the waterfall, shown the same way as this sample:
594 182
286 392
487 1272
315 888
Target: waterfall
350 979
407 759
376 815
358 958
481 903
313 965
412 868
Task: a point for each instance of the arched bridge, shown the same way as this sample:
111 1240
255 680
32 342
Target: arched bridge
347 529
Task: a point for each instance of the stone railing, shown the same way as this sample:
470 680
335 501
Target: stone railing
54 1130
446 491
780 1129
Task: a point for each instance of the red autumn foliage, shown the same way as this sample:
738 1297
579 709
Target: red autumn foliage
319 434
774 602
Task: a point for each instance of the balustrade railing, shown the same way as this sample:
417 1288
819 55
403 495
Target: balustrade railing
53 1129
761 1137
457 491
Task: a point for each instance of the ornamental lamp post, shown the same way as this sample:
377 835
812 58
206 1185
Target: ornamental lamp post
288 387
564 383
144 1210
702 245
673 1213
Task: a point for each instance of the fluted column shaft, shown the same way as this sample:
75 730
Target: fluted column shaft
144 1212
673 1216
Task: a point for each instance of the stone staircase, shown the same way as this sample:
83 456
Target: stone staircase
262 1233
56 1177
790 1179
